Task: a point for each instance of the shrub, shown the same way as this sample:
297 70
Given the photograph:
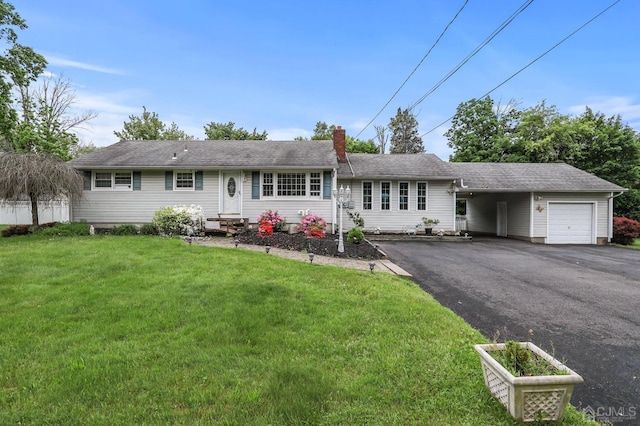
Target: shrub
66 229
265 229
148 229
313 226
625 230
179 220
355 236
25 229
16 230
126 229
278 223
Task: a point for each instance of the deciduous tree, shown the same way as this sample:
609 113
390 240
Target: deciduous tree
37 177
149 127
221 131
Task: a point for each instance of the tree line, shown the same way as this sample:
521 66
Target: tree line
403 127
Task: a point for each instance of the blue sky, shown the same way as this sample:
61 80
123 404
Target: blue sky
282 66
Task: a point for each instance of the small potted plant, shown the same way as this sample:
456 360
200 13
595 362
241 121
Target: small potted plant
528 381
427 224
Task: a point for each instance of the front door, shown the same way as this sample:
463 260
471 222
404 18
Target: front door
231 186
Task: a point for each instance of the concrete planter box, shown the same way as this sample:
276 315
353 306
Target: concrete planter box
528 398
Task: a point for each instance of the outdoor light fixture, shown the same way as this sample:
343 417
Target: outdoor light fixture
267 248
371 266
311 257
236 242
339 194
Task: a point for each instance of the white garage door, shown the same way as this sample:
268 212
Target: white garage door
570 223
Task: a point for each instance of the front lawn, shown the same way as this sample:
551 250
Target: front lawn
144 330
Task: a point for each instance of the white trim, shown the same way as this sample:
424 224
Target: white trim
408 196
390 195
113 186
175 180
362 192
307 182
426 197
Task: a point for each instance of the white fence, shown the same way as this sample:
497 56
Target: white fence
19 212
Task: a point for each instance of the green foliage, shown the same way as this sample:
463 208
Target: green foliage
355 236
323 131
221 131
20 66
149 229
625 230
360 146
65 230
126 229
178 220
522 362
405 138
149 127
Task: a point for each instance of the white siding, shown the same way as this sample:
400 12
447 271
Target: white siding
112 207
440 205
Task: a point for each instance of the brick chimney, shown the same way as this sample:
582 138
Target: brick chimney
340 144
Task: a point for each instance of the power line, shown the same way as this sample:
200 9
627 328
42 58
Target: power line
415 69
532 62
474 52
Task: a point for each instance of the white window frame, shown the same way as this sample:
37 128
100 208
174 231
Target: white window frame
370 195
175 180
408 202
426 196
390 197
113 185
273 185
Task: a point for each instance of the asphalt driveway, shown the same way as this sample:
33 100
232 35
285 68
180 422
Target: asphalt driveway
584 301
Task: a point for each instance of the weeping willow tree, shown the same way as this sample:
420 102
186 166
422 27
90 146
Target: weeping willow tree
37 177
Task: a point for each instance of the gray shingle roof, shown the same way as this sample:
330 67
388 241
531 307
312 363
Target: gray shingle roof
397 166
527 177
211 155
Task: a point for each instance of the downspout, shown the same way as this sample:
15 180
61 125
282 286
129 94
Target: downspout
334 213
610 222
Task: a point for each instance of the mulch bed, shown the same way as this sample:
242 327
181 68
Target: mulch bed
327 246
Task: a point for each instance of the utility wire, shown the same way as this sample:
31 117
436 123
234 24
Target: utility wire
532 62
474 52
415 69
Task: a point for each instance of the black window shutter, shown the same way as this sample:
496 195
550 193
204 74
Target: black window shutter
199 176
255 185
168 180
326 185
137 181
86 178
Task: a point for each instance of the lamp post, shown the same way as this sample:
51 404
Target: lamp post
340 194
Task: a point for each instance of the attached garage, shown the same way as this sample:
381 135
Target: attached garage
571 223
549 203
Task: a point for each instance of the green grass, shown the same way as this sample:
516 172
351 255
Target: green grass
142 330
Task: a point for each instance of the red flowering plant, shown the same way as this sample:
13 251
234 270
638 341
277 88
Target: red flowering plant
313 226
277 222
265 229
